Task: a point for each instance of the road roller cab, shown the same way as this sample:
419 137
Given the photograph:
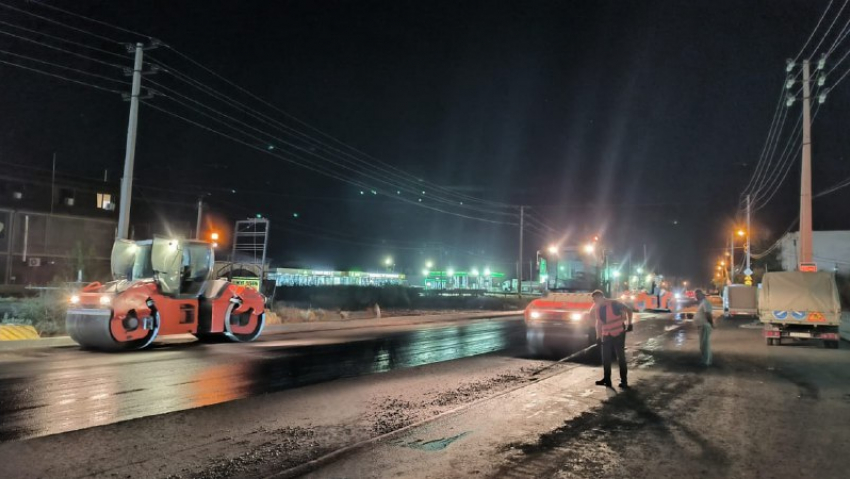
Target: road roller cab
163 287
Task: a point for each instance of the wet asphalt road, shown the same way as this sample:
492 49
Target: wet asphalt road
50 391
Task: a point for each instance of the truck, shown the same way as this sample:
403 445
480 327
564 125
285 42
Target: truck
162 286
800 305
740 300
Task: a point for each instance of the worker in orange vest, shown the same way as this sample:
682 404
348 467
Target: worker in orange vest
613 319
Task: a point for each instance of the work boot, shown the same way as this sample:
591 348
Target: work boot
604 382
624 385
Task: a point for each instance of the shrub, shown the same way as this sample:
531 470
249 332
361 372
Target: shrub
46 312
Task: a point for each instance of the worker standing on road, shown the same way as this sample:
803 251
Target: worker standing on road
703 319
611 326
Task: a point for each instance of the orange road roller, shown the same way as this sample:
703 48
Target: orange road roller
162 287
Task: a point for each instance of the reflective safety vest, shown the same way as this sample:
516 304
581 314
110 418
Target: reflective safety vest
614 324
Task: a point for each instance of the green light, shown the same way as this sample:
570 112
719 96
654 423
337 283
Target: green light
295 215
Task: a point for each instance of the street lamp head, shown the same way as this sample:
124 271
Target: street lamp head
553 249
429 264
741 233
388 261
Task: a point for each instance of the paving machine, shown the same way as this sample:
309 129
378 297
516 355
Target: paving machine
162 287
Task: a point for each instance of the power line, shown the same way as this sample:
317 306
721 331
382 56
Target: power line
61 77
99 22
829 29
769 142
62 39
321 133
416 184
808 40
69 52
225 135
44 62
56 22
275 139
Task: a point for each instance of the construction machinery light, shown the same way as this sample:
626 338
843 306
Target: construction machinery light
74 299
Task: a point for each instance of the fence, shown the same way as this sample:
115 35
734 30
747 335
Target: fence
38 248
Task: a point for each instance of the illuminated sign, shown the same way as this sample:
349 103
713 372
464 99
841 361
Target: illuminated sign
253 283
809 267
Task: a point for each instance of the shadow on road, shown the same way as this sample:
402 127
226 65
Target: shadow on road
594 443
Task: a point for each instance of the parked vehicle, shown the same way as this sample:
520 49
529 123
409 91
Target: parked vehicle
740 300
800 305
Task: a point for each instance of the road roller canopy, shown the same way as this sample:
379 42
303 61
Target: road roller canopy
176 264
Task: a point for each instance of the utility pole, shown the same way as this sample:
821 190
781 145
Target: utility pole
130 155
732 258
806 173
749 209
200 218
53 184
519 264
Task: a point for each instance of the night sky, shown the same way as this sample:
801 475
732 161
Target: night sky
638 121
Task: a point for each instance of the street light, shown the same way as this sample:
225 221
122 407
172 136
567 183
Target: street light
429 264
616 274
388 261
741 233
640 271
553 249
589 248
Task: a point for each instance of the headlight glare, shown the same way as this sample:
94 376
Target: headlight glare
576 316
535 315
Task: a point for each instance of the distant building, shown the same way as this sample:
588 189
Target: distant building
830 250
56 227
315 277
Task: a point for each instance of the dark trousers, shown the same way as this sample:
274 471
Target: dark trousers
614 346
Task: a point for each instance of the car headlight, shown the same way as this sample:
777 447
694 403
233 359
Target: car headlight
105 300
576 316
535 315
75 299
